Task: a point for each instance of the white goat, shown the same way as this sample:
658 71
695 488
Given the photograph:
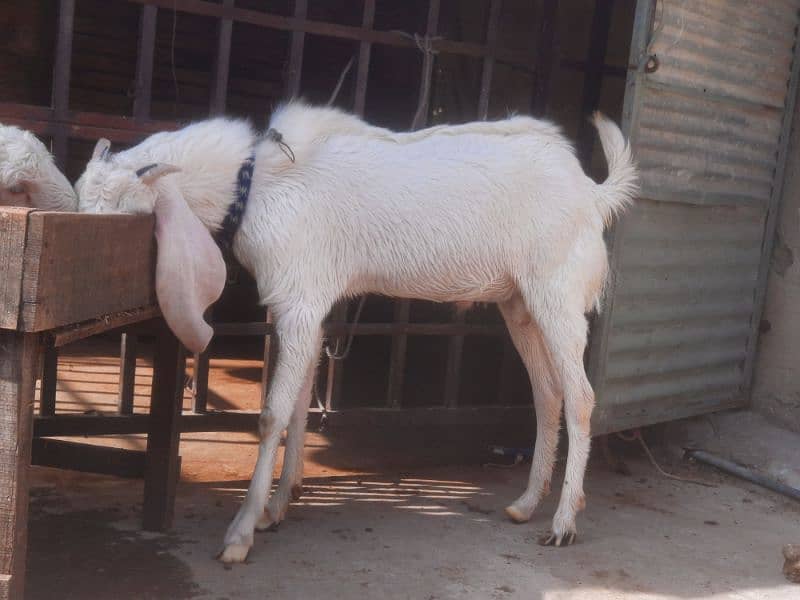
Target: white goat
491 211
28 175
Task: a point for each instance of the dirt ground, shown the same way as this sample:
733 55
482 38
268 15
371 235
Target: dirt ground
394 522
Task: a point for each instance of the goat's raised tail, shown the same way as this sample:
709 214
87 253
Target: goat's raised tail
621 186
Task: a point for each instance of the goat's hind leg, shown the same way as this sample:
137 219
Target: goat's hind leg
300 340
547 399
564 329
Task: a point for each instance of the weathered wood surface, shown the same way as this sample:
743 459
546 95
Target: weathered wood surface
19 361
13 226
59 269
162 463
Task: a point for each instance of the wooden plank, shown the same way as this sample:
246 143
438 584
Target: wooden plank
61 75
222 60
19 359
128 348
144 63
295 67
13 230
89 425
88 458
452 378
47 395
141 318
364 53
162 470
70 277
488 60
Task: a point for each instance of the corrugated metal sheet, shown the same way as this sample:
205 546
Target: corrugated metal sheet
706 127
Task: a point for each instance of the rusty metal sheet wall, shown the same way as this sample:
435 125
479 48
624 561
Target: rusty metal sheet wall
706 119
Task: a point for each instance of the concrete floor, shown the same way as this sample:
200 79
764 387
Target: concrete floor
388 520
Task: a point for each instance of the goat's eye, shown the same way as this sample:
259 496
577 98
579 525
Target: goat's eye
17 189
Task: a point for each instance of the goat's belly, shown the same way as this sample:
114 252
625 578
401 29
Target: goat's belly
443 289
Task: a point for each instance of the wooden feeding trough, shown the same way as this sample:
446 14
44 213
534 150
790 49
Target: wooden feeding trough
64 277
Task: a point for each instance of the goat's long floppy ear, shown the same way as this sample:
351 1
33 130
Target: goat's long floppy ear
101 149
190 270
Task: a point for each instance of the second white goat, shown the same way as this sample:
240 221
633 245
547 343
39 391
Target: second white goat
491 211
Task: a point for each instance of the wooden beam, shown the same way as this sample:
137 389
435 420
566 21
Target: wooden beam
364 53
593 80
295 66
335 30
162 470
200 382
13 230
488 60
219 91
88 458
47 394
19 360
61 75
128 349
546 55
144 63
139 318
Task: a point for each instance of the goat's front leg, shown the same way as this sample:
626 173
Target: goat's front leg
290 485
299 334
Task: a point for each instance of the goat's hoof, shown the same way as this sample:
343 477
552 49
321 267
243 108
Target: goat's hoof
516 515
234 553
558 540
297 492
267 523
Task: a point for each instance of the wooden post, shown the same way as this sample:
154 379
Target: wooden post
546 56
47 396
61 75
219 90
200 382
19 359
144 63
162 463
127 372
295 67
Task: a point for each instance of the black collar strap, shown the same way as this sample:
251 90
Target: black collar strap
233 219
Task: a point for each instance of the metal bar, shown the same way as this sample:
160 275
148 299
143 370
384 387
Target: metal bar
741 472
335 30
771 222
61 75
488 60
593 79
546 56
219 91
364 53
296 51
47 395
144 63
128 348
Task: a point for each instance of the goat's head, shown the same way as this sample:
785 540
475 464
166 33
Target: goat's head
28 175
109 186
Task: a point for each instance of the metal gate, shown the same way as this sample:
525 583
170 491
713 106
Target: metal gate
708 109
